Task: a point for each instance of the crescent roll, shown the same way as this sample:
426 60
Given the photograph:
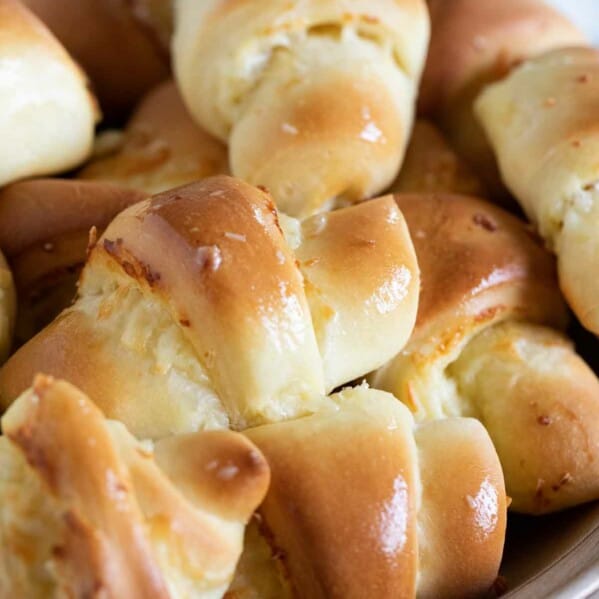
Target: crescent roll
89 511
542 123
315 99
362 503
473 43
487 345
195 310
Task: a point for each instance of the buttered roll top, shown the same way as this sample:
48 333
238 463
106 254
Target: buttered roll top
480 266
198 297
315 98
89 510
487 344
364 503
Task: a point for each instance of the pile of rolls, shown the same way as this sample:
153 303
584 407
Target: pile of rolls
285 294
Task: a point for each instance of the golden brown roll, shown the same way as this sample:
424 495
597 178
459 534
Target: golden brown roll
315 99
47 113
195 311
362 504
483 346
474 42
89 511
122 45
161 147
542 124
45 230
8 307
431 165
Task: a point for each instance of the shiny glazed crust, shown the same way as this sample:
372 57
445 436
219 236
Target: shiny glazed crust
301 91
359 502
199 293
103 514
476 352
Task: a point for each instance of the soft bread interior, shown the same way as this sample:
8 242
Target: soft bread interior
132 359
135 325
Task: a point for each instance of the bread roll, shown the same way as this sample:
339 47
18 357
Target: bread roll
542 123
8 306
89 511
45 230
540 404
194 311
161 148
47 113
431 165
361 504
475 352
315 99
122 45
474 42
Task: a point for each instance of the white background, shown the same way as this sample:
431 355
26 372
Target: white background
584 12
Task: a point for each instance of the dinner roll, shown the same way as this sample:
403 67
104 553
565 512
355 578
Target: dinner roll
364 504
196 311
47 113
484 346
87 510
315 98
542 124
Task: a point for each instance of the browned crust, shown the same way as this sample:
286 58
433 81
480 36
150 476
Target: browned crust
545 427
116 504
162 147
464 515
84 467
45 227
466 248
337 480
482 39
223 267
432 166
227 478
35 212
